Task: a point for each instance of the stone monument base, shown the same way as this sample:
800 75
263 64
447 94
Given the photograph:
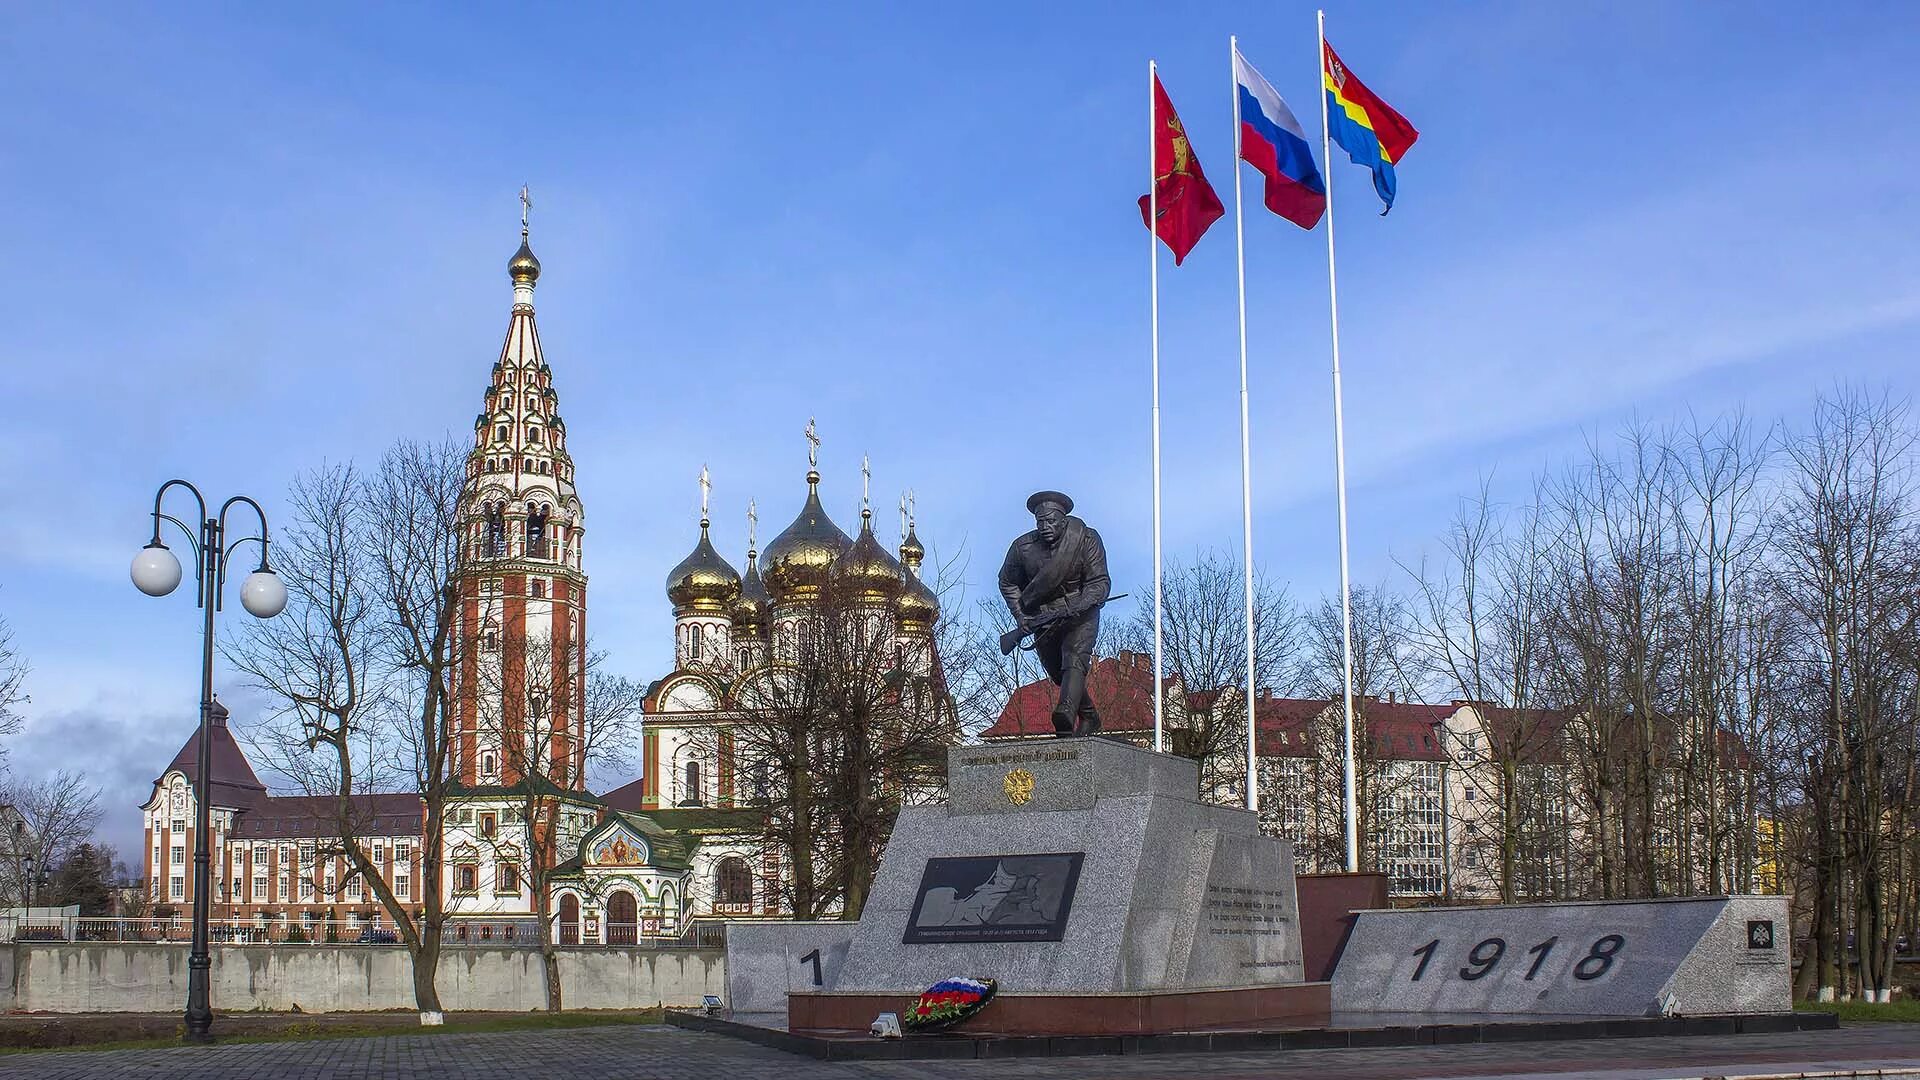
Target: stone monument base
1136 1013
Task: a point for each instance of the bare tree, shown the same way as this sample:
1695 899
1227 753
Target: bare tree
846 723
1385 664
362 664
1204 644
1849 549
547 743
1478 623
60 813
13 687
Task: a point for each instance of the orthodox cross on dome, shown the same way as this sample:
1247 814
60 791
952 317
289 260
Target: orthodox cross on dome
753 523
903 517
526 204
813 446
706 489
910 517
866 482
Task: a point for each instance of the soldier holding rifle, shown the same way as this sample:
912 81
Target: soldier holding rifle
1054 581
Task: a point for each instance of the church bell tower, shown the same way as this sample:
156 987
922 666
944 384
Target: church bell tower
520 704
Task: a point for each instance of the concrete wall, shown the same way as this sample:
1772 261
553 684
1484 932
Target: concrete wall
132 977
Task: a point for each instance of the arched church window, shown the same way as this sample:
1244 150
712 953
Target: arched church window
733 884
539 589
500 433
533 435
488 764
496 531
690 790
536 532
693 642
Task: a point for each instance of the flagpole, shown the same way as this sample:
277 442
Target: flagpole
1153 277
1340 469
1246 455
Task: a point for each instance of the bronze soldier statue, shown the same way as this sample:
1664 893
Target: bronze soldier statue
1054 581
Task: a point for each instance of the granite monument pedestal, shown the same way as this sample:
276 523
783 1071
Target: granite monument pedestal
1078 868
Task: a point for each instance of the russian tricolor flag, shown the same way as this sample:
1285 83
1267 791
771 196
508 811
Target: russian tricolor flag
1271 140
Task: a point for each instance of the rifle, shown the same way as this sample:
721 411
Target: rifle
1011 640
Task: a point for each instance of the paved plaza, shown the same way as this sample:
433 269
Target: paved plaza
660 1053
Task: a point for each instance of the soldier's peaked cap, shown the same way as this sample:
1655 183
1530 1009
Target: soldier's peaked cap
1040 498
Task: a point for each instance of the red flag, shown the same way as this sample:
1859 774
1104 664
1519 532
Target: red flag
1187 204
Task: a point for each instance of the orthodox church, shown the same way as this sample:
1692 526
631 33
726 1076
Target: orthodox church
684 838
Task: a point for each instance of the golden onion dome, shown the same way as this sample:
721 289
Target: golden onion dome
912 553
751 608
919 608
523 266
865 571
799 559
703 583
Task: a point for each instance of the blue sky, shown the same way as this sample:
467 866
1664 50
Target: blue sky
246 242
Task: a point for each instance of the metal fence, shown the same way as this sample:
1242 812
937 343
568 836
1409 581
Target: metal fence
460 933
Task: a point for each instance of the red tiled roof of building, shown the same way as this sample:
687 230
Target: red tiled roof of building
626 796
290 817
1399 730
1122 686
232 783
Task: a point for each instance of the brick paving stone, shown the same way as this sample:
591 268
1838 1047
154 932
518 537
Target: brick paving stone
661 1053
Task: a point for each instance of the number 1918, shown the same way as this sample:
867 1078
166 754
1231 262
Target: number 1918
1484 957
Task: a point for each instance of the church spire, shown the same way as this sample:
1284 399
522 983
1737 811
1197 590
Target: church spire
523 268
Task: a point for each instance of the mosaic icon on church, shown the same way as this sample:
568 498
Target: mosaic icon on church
619 849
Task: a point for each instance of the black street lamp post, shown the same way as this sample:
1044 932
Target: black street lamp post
156 572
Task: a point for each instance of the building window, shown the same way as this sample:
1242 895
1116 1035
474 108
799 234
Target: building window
533 435
179 854
690 793
496 531
693 642
507 878
500 433
179 825
260 882
489 823
733 888
539 590
177 887
403 885
466 878
487 764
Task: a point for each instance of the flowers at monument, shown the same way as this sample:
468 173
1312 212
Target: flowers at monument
946 1003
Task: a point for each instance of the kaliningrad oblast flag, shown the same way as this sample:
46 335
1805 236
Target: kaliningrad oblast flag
1272 142
1368 129
1186 203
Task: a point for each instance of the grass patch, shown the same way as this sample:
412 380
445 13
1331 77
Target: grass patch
1904 1011
280 1027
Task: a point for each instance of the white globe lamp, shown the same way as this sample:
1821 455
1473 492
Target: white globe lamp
263 594
155 570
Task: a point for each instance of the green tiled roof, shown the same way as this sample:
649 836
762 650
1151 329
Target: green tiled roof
707 819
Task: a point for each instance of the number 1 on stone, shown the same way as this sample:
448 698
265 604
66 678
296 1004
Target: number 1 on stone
1425 953
1539 953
